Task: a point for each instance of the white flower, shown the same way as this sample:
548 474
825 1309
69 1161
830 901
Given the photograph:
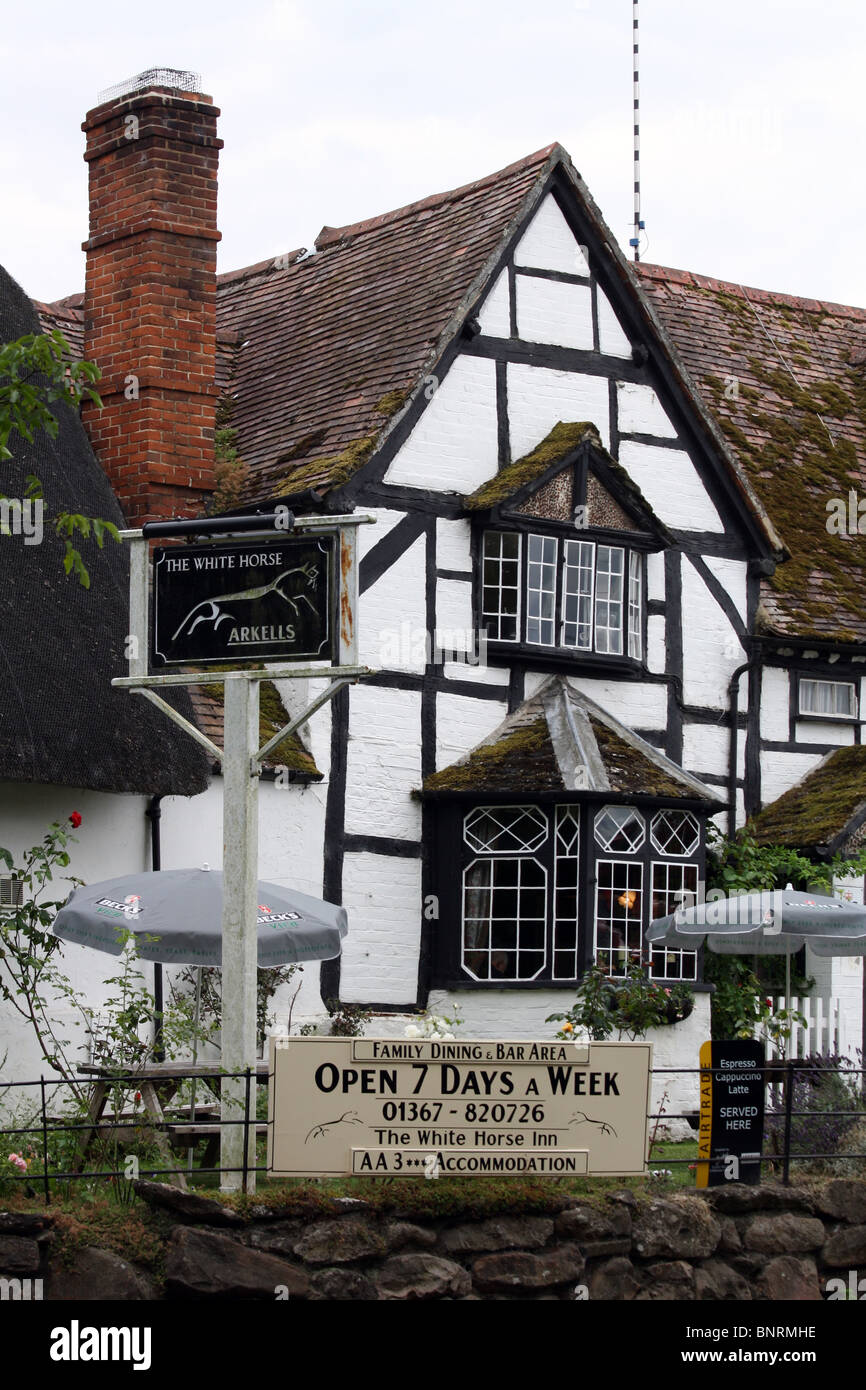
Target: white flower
449 1036
411 1031
435 1035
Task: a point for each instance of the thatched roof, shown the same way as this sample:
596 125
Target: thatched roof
60 644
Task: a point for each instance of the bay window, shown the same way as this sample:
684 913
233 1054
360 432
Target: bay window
555 592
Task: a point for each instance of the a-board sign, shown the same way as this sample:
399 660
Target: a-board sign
479 1108
256 600
732 1113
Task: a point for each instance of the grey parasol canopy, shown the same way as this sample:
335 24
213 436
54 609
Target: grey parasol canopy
777 923
175 916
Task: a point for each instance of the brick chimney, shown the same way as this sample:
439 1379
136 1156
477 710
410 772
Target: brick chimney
150 291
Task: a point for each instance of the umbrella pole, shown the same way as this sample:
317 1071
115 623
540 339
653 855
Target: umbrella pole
196 1019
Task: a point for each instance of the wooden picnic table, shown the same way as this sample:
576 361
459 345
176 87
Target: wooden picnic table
158 1084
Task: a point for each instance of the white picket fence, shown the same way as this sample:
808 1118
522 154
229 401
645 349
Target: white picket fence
823 1030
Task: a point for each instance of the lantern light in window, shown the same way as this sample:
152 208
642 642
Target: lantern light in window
627 899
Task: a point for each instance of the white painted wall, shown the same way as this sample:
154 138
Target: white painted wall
779 771
383 762
640 411
382 894
462 722
774 704
453 545
538 398
454 445
711 648
548 243
395 637
494 315
612 339
705 749
671 484
554 311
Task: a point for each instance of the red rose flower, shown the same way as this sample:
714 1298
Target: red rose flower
75 818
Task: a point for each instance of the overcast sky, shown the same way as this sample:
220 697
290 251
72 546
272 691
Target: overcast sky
752 120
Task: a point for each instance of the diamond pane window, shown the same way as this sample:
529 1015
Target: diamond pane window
619 829
675 832
566 886
505 829
504 919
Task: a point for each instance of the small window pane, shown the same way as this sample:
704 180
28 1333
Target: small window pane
618 915
500 591
541 590
835 699
609 599
635 606
578 583
619 829
673 884
504 919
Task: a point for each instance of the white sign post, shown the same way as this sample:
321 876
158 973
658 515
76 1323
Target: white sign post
241 761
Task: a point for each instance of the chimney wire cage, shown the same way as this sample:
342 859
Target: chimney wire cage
154 77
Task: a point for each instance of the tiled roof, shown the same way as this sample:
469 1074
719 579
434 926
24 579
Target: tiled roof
786 380
541 746
823 810
335 341
291 752
320 351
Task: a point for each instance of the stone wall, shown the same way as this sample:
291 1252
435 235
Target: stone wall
731 1243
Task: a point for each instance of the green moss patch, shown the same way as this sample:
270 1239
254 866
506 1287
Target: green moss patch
290 751
793 439
328 473
815 811
522 759
631 771
562 440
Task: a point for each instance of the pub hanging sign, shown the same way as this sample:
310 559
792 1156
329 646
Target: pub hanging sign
244 601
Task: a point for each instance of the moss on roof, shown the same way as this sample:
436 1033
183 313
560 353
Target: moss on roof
290 751
631 771
390 403
817 810
796 455
329 473
557 445
522 759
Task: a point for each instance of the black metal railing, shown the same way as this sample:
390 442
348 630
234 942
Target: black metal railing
48 1134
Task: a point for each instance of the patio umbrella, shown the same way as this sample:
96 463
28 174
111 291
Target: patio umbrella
777 923
175 917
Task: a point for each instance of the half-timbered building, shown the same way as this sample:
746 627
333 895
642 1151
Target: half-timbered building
600 599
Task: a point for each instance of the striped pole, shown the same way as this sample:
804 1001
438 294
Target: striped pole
635 241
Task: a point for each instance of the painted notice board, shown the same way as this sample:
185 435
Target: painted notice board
731 1131
257 600
479 1108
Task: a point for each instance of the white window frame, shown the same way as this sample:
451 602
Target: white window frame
498 616
10 899
635 605
850 714
546 589
613 630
